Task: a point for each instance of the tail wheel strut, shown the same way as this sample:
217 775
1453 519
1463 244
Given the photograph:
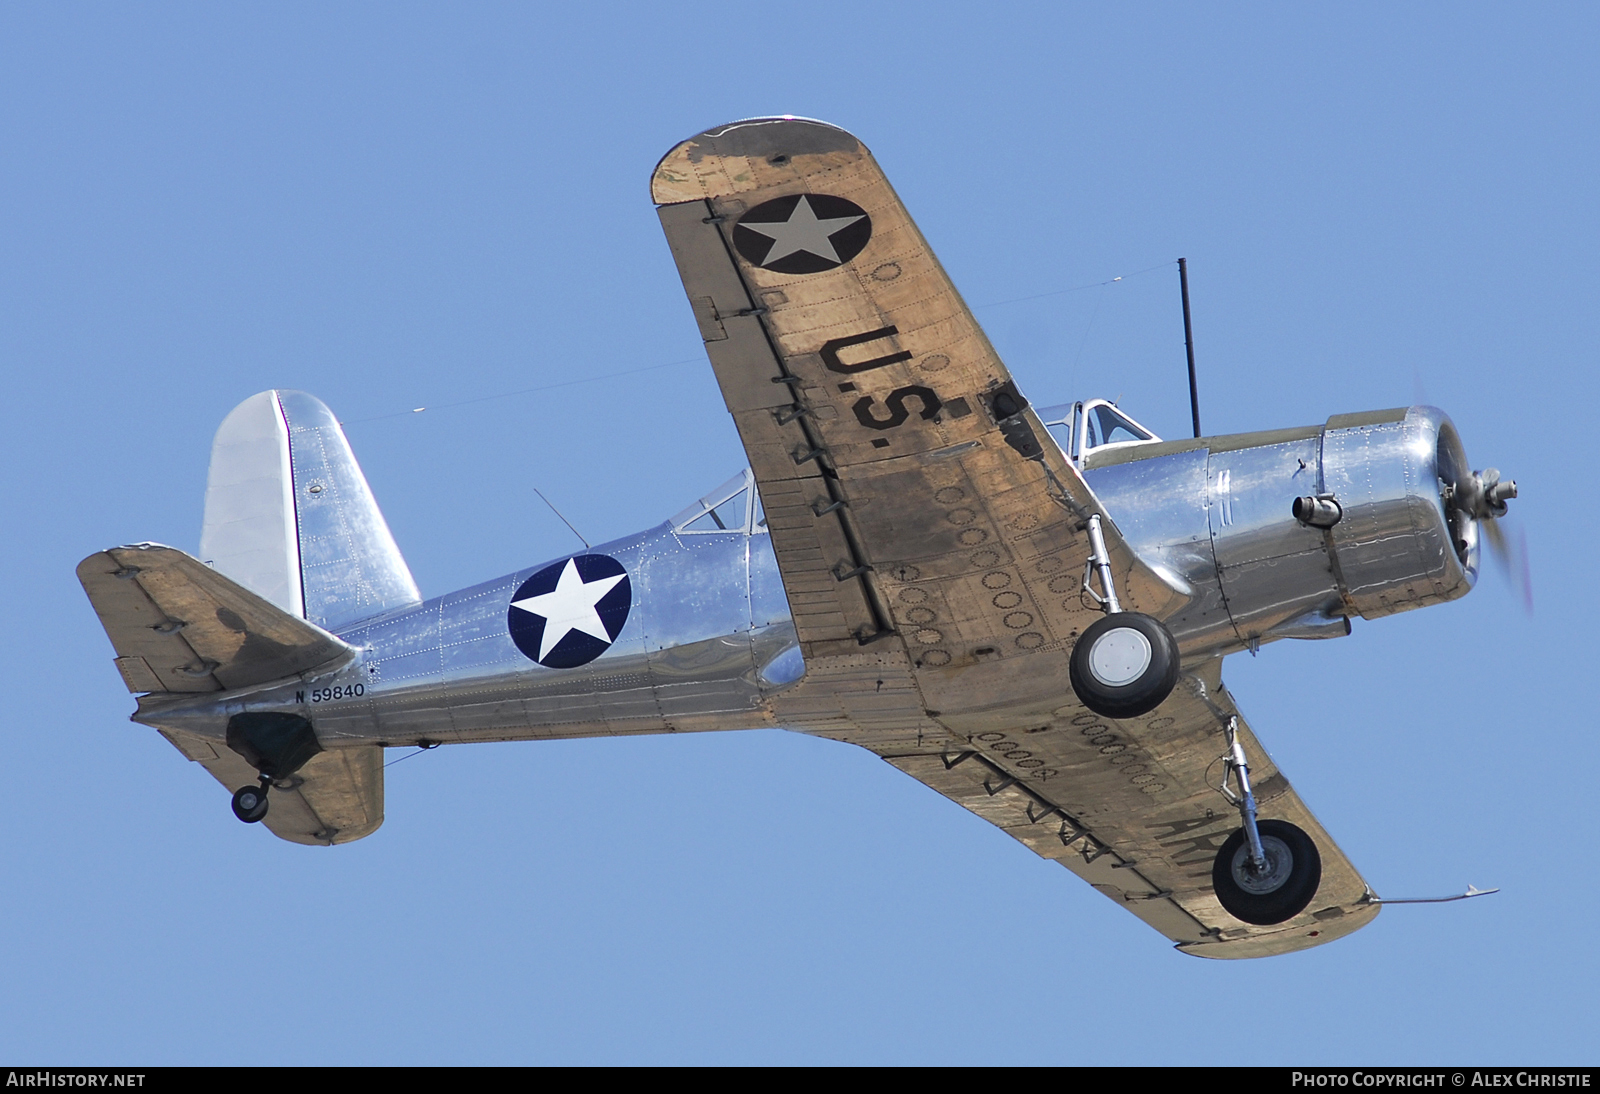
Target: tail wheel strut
250 802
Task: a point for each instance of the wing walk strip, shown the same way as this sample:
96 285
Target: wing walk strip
930 540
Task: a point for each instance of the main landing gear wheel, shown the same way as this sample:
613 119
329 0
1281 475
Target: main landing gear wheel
1124 665
250 803
1283 889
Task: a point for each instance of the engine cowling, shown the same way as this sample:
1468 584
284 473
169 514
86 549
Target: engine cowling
1399 543
1290 533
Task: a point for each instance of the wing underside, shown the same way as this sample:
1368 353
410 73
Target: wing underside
931 537
1131 806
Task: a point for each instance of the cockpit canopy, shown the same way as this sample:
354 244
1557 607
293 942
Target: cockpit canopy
1081 428
732 507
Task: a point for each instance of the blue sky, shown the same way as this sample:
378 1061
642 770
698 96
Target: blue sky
394 206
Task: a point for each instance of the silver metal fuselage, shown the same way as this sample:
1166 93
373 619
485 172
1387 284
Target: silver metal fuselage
709 639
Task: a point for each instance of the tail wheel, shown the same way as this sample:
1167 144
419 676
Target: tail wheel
250 803
1124 665
1276 893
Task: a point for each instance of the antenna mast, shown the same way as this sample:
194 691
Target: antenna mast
1188 345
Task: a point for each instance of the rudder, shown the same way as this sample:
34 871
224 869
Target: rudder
290 516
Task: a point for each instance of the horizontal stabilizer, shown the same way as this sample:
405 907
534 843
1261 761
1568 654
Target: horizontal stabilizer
179 626
336 797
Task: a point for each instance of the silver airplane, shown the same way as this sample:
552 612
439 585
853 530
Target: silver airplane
1024 608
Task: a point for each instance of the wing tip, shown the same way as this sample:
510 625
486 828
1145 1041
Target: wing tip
675 178
1301 933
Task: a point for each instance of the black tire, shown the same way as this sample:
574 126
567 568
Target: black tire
1274 900
250 803
1110 695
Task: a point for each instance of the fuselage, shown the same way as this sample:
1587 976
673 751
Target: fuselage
708 639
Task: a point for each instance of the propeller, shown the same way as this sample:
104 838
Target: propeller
1512 558
1481 498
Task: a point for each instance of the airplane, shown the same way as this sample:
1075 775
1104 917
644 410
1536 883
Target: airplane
1024 608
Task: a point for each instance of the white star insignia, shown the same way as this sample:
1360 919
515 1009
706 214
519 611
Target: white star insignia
570 607
802 232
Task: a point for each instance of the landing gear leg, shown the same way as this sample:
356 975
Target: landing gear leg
1246 798
250 802
1124 664
1268 870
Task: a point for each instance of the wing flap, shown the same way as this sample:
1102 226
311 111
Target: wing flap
179 626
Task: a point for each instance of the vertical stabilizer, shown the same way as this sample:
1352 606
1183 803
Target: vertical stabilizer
290 516
250 533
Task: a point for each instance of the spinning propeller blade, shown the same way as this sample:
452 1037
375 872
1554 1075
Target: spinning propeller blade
1512 558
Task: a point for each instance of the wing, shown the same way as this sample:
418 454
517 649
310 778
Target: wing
931 536
889 441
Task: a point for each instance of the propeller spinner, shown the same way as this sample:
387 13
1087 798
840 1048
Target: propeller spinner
1474 501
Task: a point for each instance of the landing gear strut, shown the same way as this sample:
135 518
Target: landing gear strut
275 743
1268 870
250 802
1125 663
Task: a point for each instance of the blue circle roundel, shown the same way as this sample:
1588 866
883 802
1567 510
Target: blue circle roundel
568 614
